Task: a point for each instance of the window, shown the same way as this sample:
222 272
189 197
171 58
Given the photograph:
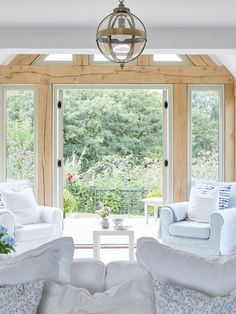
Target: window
18 142
206 132
55 59
98 58
170 59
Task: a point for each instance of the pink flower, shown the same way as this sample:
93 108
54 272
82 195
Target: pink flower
69 177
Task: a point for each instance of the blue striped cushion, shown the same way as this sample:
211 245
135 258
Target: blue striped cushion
224 192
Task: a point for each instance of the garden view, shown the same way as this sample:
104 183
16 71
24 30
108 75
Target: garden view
112 148
113 144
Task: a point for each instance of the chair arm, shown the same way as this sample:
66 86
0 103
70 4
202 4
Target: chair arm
8 220
223 223
52 215
170 214
179 210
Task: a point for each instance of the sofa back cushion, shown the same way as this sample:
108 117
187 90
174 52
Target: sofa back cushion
51 261
89 274
213 275
120 271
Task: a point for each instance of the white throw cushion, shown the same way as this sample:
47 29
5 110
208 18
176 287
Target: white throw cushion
21 299
213 275
202 204
22 204
224 191
135 296
172 299
51 261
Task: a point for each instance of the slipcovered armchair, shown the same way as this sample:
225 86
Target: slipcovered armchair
213 238
32 235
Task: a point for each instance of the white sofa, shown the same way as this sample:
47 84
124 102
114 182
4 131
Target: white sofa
87 286
29 236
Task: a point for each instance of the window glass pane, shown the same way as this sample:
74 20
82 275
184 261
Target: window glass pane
170 59
113 148
205 134
20 144
59 57
99 57
159 57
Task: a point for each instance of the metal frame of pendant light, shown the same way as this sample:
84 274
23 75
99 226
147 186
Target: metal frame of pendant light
106 34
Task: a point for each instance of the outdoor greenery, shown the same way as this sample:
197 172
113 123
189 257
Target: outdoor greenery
20 135
113 144
205 134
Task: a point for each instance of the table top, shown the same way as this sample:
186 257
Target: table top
113 232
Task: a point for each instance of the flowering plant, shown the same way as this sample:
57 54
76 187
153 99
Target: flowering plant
69 178
7 242
103 211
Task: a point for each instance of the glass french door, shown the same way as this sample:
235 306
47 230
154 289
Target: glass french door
112 138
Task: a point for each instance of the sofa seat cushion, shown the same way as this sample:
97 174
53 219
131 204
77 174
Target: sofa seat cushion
34 232
190 229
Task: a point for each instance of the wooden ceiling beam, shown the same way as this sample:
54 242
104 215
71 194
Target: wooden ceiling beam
196 60
81 60
23 60
208 60
114 75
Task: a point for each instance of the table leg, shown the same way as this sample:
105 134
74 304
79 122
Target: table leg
146 213
131 246
96 246
155 212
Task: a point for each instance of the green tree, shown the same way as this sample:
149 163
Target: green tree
99 123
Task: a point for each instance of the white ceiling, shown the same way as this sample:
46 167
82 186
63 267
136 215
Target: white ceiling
174 26
87 13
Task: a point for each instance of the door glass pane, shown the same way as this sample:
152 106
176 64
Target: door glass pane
20 144
113 149
205 137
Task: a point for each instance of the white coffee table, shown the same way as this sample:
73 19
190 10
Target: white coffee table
106 232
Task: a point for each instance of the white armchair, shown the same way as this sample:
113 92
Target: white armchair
214 238
32 235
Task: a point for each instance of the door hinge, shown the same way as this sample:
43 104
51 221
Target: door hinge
59 163
166 104
166 163
59 104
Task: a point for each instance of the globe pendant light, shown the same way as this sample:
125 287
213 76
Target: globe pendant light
121 36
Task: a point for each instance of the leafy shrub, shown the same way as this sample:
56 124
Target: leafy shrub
114 201
69 201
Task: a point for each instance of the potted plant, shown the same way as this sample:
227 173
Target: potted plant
104 212
7 242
